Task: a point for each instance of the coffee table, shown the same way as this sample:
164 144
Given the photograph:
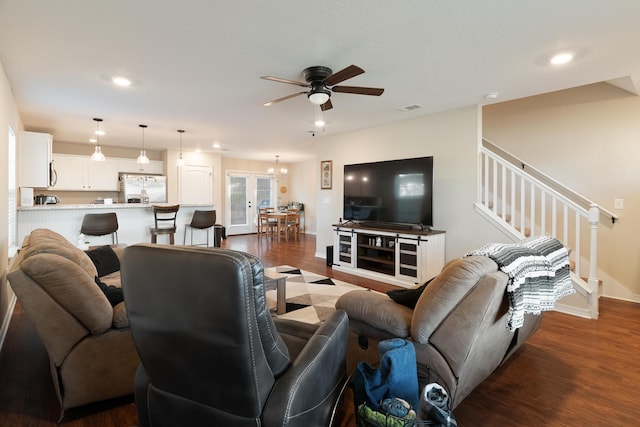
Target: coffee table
278 282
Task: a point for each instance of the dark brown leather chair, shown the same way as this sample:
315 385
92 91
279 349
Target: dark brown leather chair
100 225
211 355
164 222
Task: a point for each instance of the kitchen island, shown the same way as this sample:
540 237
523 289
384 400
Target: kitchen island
134 220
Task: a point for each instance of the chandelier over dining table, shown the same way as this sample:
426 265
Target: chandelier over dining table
276 171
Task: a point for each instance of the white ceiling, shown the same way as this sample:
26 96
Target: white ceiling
196 64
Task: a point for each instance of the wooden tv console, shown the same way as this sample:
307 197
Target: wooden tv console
402 257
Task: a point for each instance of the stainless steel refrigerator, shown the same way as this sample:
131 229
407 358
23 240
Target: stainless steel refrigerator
137 188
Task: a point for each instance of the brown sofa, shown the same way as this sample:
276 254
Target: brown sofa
91 351
458 326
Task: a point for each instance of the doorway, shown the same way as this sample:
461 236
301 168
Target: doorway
246 192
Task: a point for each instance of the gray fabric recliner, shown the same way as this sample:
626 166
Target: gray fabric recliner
211 353
458 327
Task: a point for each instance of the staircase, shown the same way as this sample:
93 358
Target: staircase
522 201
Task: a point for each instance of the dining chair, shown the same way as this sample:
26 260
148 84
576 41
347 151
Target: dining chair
265 224
293 222
164 222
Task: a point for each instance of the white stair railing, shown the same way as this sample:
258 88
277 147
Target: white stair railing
523 201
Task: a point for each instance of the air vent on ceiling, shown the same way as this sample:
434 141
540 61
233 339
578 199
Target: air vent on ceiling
411 107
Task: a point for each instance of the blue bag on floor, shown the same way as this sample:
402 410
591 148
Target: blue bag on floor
396 376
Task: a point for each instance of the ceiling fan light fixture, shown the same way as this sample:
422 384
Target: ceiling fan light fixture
318 97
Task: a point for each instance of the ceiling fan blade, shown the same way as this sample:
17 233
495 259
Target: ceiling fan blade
327 105
358 90
284 98
344 74
279 80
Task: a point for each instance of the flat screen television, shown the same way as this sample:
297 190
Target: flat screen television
392 193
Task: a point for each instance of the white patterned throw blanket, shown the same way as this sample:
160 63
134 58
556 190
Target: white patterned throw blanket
538 271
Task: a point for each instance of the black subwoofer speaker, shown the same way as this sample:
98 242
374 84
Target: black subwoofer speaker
329 256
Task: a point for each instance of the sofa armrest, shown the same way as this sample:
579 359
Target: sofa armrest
313 383
377 311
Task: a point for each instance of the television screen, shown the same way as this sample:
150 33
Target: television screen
394 191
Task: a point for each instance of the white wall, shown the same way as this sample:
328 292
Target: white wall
451 137
303 187
588 138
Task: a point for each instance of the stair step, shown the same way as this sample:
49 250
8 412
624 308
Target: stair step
586 279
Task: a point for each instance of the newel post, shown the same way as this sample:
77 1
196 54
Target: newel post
594 217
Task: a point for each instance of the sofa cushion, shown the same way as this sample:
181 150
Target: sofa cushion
120 319
71 287
44 241
377 310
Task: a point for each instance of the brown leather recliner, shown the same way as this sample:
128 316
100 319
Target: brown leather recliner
211 353
458 327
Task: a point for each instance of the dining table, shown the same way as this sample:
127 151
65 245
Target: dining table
277 217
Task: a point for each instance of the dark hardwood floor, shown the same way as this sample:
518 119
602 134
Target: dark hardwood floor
572 372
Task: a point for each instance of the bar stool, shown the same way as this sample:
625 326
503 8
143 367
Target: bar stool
201 220
165 222
100 225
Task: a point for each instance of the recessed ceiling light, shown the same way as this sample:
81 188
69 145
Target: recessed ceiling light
319 123
93 140
216 145
492 95
121 81
561 58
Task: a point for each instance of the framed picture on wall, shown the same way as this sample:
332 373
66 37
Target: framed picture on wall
326 175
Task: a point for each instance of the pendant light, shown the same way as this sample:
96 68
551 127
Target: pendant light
97 155
180 160
142 158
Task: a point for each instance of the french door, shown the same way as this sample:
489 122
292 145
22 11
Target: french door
246 192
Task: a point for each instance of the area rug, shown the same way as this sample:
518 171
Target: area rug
311 298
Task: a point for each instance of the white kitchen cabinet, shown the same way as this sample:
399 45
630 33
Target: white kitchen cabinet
34 159
154 167
80 173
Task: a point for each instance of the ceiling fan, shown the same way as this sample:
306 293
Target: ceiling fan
322 81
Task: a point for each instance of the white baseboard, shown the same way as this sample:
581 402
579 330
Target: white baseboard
7 320
574 311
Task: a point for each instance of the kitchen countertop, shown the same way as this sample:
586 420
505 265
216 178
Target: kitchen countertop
62 206
134 220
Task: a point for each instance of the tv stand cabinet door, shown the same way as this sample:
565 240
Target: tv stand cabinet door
408 257
418 260
432 252
343 246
